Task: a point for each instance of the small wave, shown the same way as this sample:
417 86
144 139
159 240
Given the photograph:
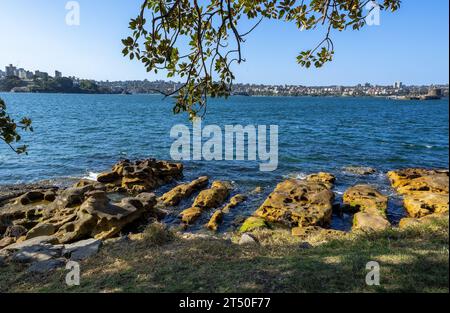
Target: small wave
91 176
297 175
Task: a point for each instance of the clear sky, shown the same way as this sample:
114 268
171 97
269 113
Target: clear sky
411 45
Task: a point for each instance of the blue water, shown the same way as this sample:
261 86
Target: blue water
78 134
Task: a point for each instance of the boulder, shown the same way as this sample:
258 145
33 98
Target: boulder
140 176
257 190
407 222
298 203
365 198
215 220
82 249
37 253
100 219
234 202
42 229
190 215
15 231
206 199
46 266
369 222
6 241
247 239
360 170
322 177
180 192
417 179
253 223
425 191
31 242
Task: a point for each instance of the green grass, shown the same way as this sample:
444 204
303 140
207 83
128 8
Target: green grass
413 260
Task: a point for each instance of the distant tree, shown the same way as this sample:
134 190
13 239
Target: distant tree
11 82
214 42
9 129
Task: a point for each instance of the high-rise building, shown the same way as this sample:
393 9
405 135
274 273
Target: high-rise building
398 85
21 73
58 74
10 70
41 75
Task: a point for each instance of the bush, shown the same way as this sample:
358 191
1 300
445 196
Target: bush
157 234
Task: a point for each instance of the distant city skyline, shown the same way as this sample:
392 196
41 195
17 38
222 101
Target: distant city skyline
36 37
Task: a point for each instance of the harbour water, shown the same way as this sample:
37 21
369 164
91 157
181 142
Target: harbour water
79 135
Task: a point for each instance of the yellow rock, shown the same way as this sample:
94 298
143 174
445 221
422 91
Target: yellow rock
180 192
190 215
419 204
298 203
366 198
234 202
369 222
215 220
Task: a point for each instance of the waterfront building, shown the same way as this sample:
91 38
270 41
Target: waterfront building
58 74
41 75
10 70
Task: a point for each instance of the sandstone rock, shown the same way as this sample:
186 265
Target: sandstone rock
43 229
234 202
37 253
190 215
359 170
82 249
413 222
15 231
416 179
31 197
100 219
213 197
6 241
207 199
31 242
365 198
180 192
215 220
257 190
419 204
46 266
298 203
425 191
108 177
369 222
252 223
140 176
247 239
322 177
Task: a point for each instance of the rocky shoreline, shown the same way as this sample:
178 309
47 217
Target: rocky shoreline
45 226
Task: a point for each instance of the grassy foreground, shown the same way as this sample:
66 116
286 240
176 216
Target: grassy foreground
412 260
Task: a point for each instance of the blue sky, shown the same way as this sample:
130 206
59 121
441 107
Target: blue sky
411 45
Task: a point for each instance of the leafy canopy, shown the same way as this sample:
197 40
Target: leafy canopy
198 41
9 129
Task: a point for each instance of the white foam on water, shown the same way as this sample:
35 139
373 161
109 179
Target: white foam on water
91 176
296 175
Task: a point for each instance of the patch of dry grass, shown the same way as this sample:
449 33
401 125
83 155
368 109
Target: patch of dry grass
413 260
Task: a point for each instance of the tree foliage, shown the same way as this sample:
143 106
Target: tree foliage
198 41
9 129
